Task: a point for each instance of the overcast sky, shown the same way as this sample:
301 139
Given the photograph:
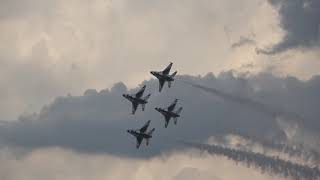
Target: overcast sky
66 47
52 52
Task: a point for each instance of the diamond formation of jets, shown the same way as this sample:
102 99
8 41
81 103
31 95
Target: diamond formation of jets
141 134
137 99
170 113
164 76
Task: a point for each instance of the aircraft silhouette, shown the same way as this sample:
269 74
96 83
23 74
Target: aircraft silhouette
170 113
164 76
141 134
137 99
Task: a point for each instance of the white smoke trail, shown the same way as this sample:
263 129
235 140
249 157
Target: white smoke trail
262 162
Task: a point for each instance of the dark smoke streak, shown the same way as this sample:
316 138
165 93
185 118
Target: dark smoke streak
264 163
299 150
257 106
308 155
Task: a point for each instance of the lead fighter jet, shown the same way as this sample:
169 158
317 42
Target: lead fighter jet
137 99
164 76
170 113
141 134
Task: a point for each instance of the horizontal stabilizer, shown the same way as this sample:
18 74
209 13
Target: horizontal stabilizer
175 121
179 110
173 74
147 97
151 131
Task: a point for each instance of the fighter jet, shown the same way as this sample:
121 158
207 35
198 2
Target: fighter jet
170 113
164 76
141 134
137 99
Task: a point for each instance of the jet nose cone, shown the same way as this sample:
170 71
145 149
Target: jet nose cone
152 72
128 131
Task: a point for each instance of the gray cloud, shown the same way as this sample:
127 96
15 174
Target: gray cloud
66 46
97 121
266 109
260 107
300 19
276 113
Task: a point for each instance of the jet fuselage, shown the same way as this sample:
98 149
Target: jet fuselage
167 113
160 75
134 99
138 134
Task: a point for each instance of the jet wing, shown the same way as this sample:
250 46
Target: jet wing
134 107
173 105
144 127
167 119
161 83
141 91
139 140
166 71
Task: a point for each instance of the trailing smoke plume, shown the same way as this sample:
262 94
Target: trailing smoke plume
272 165
309 156
257 106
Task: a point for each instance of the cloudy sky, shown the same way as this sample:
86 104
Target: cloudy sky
65 64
